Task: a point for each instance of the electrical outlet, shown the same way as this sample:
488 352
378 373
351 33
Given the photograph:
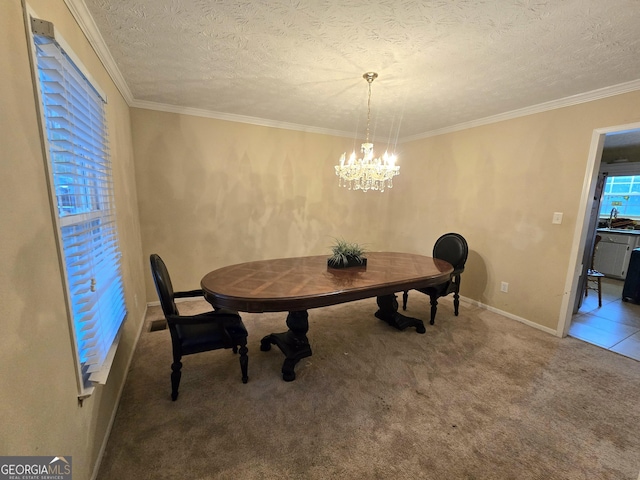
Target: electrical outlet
557 218
504 287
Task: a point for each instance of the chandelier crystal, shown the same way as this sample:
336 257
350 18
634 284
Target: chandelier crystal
368 172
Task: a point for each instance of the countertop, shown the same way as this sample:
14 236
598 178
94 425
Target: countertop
619 231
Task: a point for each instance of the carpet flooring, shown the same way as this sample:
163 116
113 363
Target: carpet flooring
479 396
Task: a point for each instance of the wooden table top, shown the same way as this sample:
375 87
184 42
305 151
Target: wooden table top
293 284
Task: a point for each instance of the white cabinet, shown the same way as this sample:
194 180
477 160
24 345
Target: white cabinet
613 253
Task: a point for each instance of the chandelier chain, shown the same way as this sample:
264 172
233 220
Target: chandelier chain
369 109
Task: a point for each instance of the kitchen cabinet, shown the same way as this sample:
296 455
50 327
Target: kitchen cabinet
614 253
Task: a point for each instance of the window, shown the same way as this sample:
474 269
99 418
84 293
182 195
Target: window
622 193
81 187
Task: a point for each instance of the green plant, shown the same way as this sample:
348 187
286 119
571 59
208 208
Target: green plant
345 252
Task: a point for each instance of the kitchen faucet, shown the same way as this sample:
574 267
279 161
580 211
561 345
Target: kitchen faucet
612 215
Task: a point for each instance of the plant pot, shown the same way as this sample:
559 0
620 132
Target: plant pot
351 262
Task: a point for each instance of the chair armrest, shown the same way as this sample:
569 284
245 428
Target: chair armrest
200 293
190 293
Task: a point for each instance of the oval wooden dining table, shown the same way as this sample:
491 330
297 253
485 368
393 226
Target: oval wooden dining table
298 284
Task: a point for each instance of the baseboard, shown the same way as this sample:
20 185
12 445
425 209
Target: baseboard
177 300
508 315
96 467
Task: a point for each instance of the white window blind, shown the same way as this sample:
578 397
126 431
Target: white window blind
80 171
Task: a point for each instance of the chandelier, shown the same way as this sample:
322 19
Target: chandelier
367 172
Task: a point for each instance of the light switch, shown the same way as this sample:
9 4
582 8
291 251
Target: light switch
557 218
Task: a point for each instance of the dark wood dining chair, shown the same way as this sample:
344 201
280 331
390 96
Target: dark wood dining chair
453 248
196 333
594 277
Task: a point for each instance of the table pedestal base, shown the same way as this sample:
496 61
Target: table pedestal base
293 343
388 312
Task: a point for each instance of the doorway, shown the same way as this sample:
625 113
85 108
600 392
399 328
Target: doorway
604 142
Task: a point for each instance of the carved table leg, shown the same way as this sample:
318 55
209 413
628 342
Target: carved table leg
388 312
293 343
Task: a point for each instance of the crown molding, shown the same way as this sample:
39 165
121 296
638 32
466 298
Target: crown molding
262 122
540 108
84 19
522 112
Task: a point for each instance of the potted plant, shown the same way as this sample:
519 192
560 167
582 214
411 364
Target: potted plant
346 254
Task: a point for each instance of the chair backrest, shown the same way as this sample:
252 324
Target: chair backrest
163 285
453 248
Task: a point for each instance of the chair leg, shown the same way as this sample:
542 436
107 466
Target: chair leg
244 363
599 293
434 309
456 296
405 297
176 366
456 303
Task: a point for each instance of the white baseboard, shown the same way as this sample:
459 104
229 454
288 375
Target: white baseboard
177 300
508 315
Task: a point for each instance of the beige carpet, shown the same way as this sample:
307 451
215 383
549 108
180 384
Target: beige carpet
478 396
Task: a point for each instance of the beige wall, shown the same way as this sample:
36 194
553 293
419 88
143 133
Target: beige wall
38 392
499 186
213 193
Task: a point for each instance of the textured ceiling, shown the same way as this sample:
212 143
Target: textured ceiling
441 63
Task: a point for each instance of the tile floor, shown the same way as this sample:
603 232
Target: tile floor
614 326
